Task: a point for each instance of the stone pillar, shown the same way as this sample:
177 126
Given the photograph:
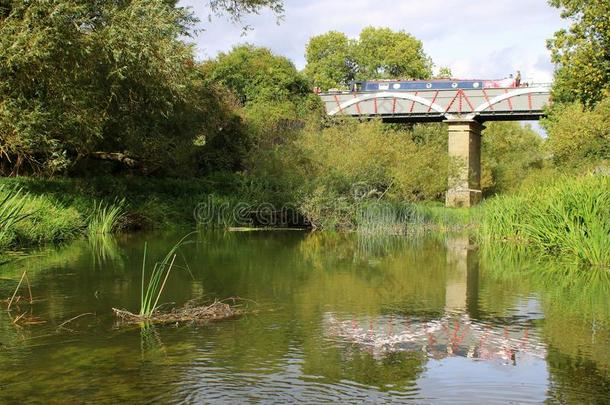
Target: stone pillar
465 152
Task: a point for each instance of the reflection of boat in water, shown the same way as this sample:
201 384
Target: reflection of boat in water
453 335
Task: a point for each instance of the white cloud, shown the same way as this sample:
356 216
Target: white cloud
483 39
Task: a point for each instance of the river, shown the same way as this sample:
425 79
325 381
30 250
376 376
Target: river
332 318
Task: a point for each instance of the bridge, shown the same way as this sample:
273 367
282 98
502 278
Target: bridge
464 110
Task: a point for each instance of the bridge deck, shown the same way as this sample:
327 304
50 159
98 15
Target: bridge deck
522 103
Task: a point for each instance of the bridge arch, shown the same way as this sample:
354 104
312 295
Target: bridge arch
514 93
390 95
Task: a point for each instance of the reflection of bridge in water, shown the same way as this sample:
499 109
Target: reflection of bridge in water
463 109
450 335
458 332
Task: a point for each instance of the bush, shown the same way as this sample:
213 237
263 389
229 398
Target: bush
579 138
383 160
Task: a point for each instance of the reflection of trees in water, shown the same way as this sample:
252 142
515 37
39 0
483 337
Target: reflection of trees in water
575 305
408 276
299 279
576 379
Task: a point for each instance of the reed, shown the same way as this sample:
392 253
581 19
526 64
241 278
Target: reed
12 210
570 217
106 217
386 218
152 289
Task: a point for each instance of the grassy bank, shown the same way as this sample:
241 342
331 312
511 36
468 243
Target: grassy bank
568 217
53 211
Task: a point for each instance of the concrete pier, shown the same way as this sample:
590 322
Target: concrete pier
465 151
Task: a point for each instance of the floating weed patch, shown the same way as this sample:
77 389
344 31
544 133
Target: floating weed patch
216 311
152 289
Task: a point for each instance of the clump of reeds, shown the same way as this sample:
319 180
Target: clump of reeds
378 218
384 218
570 217
11 210
105 217
152 289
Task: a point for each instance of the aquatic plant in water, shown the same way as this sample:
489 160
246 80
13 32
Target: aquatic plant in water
151 291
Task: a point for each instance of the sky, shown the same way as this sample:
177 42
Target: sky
476 39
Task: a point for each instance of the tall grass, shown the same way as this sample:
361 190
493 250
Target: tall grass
11 211
570 217
105 217
152 289
382 218
385 218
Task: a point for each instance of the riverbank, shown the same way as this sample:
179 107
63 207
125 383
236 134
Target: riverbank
569 216
57 210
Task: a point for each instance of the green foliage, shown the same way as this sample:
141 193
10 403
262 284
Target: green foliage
11 210
384 54
375 218
76 76
349 161
151 291
570 217
275 97
84 81
27 219
333 60
509 153
444 73
330 60
237 9
256 74
582 53
106 217
579 137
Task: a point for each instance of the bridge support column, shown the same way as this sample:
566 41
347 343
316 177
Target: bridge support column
465 152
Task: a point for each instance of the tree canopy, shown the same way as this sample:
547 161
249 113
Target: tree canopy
256 74
106 78
582 52
275 97
333 60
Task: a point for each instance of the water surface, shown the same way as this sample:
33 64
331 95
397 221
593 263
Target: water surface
338 318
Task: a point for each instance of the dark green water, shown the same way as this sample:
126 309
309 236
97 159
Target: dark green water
339 319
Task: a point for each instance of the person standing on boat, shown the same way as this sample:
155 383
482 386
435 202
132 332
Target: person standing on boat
518 79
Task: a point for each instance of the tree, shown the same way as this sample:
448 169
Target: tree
578 137
333 60
275 96
582 53
255 74
105 79
384 54
330 62
444 73
509 153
